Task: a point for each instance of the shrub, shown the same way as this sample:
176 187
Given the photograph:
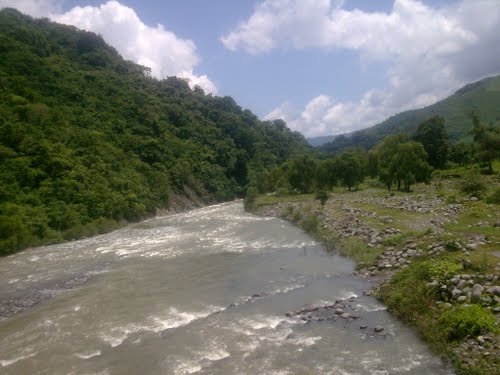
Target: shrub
286 211
250 197
473 184
463 321
444 268
494 198
322 196
452 245
311 224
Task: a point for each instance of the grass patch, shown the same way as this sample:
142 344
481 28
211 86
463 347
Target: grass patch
461 322
263 200
468 221
358 251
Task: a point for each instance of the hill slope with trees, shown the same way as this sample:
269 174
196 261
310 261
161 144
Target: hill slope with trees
89 140
482 96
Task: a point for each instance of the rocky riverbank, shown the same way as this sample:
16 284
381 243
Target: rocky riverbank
421 237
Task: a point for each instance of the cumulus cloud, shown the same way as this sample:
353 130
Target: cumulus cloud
430 51
35 8
152 46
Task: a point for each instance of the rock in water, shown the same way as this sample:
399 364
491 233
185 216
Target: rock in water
378 329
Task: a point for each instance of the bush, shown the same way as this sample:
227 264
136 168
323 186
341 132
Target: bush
322 196
452 245
494 198
444 268
464 321
250 197
473 184
311 224
286 211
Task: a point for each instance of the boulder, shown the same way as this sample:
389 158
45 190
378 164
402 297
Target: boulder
477 290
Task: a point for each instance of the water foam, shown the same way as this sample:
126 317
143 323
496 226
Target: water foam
159 323
88 354
8 362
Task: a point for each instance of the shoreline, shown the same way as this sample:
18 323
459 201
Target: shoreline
385 247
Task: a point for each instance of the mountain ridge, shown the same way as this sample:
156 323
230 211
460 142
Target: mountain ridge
482 96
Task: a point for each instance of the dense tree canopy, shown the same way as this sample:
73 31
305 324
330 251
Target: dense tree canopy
486 141
88 139
432 135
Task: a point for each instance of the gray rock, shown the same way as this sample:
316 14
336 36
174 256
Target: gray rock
412 252
363 326
477 290
339 311
433 283
495 290
462 284
473 199
345 315
471 246
456 292
378 328
309 308
461 299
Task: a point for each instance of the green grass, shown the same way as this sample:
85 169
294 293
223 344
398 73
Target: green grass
263 200
475 213
357 250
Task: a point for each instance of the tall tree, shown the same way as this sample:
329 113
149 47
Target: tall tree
408 165
486 141
432 134
384 152
351 168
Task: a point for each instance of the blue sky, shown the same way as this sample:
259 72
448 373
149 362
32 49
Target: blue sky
324 66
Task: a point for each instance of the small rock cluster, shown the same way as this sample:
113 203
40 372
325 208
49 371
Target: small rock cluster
476 288
341 309
419 204
441 247
471 351
394 259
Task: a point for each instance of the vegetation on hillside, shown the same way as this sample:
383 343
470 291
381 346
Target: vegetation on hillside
88 140
398 161
482 96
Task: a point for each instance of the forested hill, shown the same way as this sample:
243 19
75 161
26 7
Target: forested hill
482 96
88 139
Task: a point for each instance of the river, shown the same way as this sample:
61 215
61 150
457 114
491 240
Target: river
202 292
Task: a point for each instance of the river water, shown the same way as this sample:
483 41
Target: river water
202 292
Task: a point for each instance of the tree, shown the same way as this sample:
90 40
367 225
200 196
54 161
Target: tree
433 136
351 168
486 141
326 174
460 153
383 153
301 174
409 165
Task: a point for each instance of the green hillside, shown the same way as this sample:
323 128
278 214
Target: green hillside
89 140
483 96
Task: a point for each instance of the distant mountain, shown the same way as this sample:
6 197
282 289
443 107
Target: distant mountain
483 96
318 141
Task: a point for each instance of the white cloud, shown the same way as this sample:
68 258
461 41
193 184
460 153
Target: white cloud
430 51
155 47
35 8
